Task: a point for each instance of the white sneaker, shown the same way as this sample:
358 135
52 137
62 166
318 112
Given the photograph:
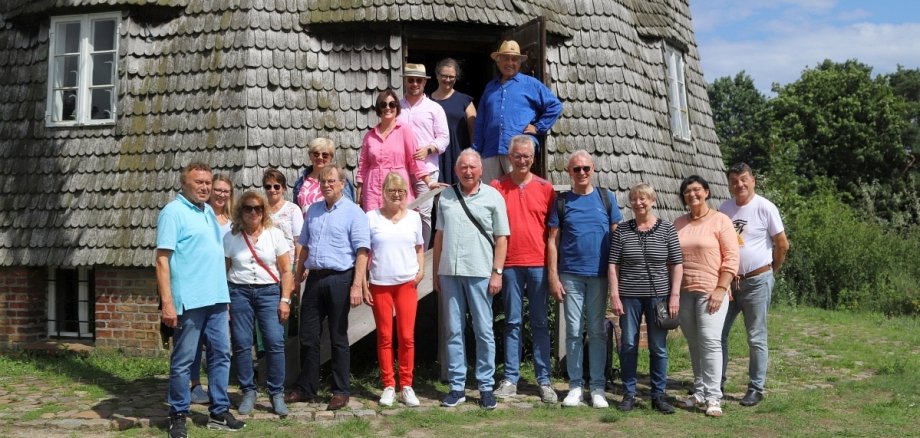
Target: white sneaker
389 394
409 398
573 398
598 400
713 408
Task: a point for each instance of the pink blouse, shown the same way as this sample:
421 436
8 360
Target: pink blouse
381 156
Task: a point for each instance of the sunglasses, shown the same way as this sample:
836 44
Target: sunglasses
248 209
272 186
320 155
581 169
415 80
391 105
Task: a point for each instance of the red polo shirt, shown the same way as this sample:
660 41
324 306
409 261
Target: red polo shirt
527 206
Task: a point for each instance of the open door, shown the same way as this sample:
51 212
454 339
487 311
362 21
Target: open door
531 36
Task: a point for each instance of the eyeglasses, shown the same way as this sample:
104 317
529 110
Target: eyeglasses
249 209
521 156
391 105
273 187
693 190
581 169
221 192
396 192
448 78
415 80
320 155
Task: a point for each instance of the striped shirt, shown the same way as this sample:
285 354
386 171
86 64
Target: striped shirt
661 248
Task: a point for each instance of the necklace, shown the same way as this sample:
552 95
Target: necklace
693 218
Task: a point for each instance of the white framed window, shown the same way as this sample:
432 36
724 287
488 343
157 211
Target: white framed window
677 93
82 66
71 303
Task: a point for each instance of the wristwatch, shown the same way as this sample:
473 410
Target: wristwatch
286 301
498 270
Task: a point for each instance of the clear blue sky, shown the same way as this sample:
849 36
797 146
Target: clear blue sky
774 40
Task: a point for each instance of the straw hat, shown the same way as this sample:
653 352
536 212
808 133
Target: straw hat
415 71
509 47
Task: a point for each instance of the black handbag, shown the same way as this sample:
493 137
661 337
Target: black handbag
663 318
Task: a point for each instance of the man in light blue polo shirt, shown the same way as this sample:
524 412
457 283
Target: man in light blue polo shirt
468 272
192 282
336 238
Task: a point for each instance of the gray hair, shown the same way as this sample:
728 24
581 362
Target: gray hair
523 140
465 152
580 153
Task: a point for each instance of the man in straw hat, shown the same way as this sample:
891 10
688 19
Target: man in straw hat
512 104
429 123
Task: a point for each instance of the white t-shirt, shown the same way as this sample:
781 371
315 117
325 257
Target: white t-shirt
243 266
289 219
756 223
393 257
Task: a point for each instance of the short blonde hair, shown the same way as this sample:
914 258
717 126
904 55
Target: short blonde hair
320 144
643 189
394 180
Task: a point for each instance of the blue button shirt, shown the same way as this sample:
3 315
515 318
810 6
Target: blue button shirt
333 236
506 109
197 273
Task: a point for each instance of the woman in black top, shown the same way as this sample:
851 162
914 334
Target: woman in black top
646 266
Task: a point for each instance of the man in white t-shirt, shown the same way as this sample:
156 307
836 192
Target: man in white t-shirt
763 243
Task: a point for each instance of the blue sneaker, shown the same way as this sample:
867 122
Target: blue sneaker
200 396
453 398
487 400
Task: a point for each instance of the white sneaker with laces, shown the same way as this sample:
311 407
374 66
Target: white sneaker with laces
389 394
713 408
409 398
506 389
598 399
573 399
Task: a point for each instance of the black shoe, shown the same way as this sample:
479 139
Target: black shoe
177 426
628 403
660 404
752 398
225 421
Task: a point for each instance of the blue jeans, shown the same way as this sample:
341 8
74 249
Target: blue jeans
212 323
585 304
248 303
635 308
753 299
460 293
702 331
514 281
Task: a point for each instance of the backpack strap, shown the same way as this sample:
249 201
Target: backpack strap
605 199
560 208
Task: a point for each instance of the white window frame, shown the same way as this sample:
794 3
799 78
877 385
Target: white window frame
83 309
679 110
84 87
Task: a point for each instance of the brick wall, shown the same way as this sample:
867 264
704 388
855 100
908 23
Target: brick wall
127 317
23 294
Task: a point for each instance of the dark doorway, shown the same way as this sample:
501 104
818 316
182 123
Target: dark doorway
477 69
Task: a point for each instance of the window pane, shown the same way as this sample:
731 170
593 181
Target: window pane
103 68
103 35
101 108
67 38
65 105
66 71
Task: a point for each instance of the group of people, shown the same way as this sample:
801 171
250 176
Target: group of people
499 228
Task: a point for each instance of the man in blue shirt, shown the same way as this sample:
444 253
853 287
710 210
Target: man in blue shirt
512 104
577 250
336 239
192 282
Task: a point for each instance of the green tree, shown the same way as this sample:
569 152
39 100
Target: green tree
741 122
847 126
906 83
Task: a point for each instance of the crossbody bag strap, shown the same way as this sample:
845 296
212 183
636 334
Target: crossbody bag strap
472 219
648 269
258 260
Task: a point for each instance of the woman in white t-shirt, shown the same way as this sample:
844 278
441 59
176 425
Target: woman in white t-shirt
396 267
285 215
261 282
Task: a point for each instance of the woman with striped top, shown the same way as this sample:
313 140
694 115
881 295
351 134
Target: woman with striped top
646 266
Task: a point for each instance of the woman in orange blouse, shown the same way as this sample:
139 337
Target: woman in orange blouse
710 248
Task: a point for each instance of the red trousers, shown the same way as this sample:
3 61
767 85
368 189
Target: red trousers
404 298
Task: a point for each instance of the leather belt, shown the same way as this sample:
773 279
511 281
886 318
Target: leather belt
322 273
756 272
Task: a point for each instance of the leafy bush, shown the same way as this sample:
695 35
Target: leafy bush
839 259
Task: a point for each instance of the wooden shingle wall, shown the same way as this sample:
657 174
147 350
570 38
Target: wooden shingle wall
246 84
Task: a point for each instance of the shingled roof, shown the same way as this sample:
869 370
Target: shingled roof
245 84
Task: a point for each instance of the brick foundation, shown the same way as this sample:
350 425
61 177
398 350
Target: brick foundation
23 297
127 315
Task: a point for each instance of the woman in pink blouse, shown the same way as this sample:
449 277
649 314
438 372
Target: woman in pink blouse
388 147
710 248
